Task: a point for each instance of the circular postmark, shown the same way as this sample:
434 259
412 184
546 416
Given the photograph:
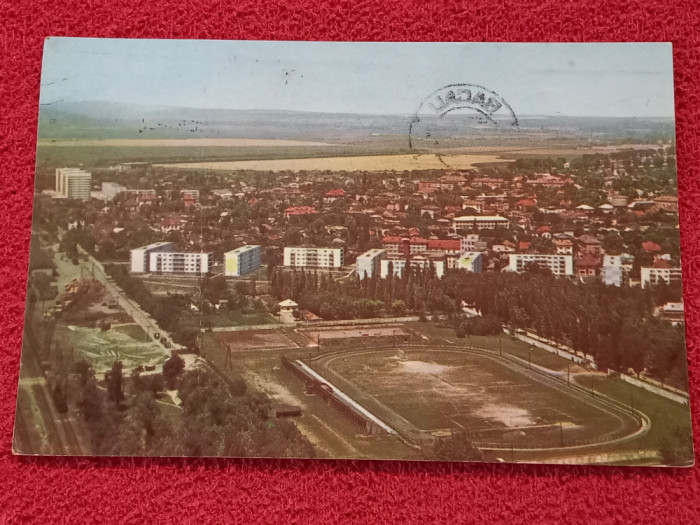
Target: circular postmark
458 111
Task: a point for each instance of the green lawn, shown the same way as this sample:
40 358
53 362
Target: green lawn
665 415
503 343
134 331
227 318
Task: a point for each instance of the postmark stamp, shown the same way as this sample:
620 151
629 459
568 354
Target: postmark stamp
457 109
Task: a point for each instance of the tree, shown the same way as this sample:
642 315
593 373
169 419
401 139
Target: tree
115 383
172 368
456 447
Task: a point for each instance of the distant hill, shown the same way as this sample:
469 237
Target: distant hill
109 120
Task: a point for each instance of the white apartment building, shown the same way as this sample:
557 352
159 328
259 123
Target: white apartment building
242 260
659 275
309 257
368 264
558 264
480 222
612 272
178 262
111 189
396 265
73 183
470 261
140 256
469 242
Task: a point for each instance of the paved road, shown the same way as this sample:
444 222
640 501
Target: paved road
149 325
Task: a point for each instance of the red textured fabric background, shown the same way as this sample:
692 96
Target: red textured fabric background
66 490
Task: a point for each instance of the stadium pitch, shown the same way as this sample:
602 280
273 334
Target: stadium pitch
428 392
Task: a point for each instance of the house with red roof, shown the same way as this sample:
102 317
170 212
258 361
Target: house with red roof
525 204
651 247
446 245
334 195
545 232
294 211
587 265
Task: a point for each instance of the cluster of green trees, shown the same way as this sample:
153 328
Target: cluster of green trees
614 325
479 325
126 418
417 291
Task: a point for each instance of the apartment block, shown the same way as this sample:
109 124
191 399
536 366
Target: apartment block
368 264
395 265
558 264
480 222
471 262
651 276
73 183
310 257
242 261
178 262
140 256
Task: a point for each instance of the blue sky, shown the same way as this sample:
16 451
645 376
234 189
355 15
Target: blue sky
618 80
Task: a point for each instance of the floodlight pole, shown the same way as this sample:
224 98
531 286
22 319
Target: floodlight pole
561 433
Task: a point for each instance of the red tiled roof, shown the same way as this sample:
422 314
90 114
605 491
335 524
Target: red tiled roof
587 260
526 203
444 244
588 239
524 245
543 229
651 247
300 210
391 240
336 193
418 240
661 263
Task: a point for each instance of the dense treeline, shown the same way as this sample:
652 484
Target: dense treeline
333 298
615 325
214 421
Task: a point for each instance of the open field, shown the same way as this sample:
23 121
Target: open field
410 162
353 333
102 349
440 390
374 153
254 339
150 143
496 343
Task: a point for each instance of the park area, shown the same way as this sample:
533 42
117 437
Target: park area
127 343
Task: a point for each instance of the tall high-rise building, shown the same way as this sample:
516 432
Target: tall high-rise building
73 183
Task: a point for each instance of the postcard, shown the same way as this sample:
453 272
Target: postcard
395 251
